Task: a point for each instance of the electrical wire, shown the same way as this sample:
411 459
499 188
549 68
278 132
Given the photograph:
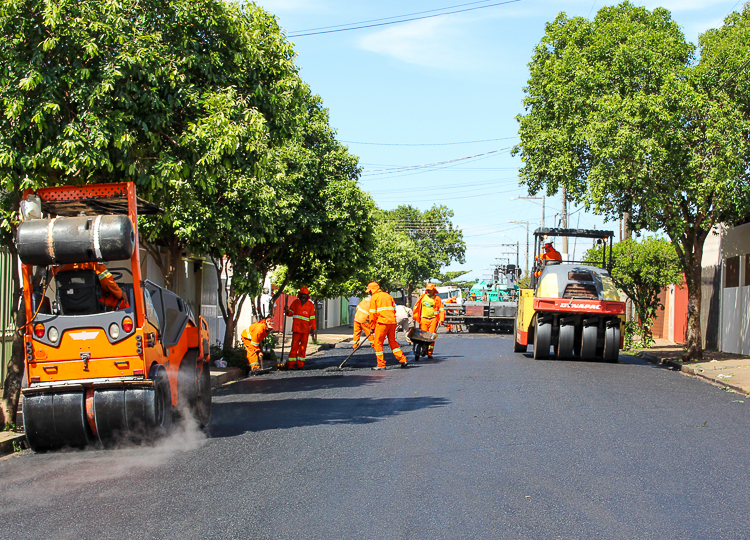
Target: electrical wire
429 144
425 165
303 33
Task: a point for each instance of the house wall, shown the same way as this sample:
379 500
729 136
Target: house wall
735 290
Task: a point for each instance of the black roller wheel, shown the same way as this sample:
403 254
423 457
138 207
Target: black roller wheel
473 329
588 342
565 341
163 413
612 344
203 405
542 339
517 347
54 421
194 388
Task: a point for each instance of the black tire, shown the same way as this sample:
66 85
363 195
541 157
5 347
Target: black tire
542 339
194 388
164 413
473 329
517 347
588 342
612 344
565 341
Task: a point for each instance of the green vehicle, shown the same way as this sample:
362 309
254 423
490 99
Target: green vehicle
490 304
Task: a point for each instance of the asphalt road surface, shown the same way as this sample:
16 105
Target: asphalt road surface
479 443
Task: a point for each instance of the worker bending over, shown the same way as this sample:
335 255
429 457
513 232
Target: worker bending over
111 293
429 313
383 320
302 311
252 338
362 322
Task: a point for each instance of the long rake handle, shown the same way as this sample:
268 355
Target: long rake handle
355 350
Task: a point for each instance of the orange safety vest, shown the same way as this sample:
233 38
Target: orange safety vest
552 255
363 312
438 306
382 308
303 315
254 335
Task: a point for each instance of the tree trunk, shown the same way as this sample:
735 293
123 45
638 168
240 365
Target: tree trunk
12 383
693 280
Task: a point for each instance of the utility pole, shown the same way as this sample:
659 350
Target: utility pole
542 199
527 241
565 222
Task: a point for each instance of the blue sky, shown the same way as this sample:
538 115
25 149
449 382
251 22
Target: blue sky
401 96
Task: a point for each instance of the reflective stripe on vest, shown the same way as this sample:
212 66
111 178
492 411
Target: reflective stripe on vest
303 318
385 308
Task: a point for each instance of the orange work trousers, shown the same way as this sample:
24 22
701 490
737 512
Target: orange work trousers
429 325
389 330
252 357
360 328
298 350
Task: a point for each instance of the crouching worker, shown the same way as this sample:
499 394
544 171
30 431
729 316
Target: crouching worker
362 322
252 337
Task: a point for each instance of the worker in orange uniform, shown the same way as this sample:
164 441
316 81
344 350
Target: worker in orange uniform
252 338
111 293
550 253
302 311
451 300
362 322
383 321
429 313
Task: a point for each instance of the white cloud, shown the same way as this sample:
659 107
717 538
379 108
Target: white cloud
428 42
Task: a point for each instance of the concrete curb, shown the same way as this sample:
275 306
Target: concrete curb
7 438
221 376
691 370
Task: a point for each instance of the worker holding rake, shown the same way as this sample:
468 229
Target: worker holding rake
302 311
362 322
383 320
429 313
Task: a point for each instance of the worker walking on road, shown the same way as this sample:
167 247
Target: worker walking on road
302 311
383 320
429 313
362 322
252 338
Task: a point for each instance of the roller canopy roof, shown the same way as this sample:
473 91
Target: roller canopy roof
96 206
579 233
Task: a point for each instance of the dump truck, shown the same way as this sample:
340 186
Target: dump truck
104 363
490 305
572 307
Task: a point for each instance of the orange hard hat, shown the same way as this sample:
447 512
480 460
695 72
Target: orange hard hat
372 287
430 287
304 290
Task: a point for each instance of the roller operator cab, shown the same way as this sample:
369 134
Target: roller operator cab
572 307
109 356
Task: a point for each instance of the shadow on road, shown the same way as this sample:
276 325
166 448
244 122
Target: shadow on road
297 382
232 419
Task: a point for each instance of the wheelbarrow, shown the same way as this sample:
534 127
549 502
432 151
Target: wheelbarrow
420 339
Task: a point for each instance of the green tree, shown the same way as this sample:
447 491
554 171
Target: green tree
621 114
642 270
434 243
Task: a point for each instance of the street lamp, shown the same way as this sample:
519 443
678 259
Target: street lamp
527 241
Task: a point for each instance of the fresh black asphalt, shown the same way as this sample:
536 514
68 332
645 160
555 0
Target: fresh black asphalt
480 443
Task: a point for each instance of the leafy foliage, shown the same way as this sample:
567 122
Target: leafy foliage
620 113
642 270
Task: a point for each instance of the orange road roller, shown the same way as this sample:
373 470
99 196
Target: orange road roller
110 356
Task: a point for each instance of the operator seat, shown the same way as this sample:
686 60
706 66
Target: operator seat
79 292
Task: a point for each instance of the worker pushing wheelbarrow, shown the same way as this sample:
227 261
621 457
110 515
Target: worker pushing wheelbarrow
421 341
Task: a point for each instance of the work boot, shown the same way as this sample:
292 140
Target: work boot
429 357
378 368
404 364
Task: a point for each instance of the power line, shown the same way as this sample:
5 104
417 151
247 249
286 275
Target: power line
405 168
303 33
389 18
429 144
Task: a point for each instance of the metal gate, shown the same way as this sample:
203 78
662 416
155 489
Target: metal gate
6 311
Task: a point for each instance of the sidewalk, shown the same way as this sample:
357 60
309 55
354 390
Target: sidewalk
728 370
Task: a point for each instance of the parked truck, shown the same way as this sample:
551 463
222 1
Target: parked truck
99 370
489 305
572 307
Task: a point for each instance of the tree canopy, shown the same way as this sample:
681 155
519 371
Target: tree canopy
621 113
641 269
